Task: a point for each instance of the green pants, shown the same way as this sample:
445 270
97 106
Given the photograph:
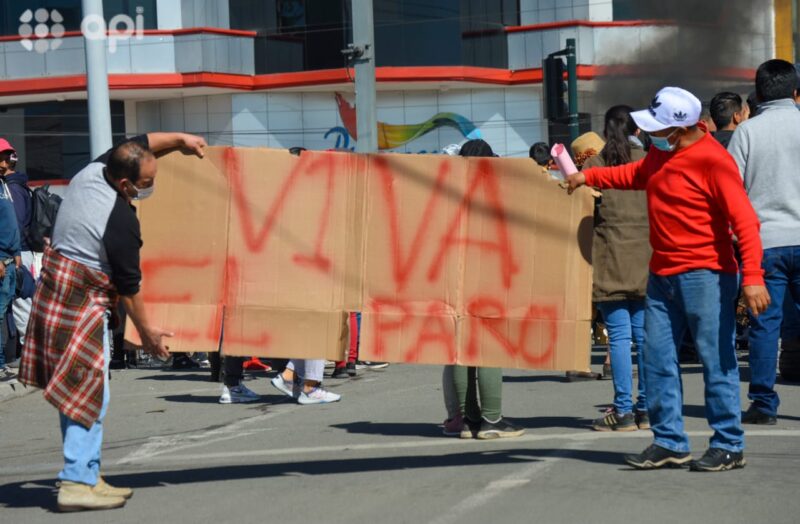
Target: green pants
489 387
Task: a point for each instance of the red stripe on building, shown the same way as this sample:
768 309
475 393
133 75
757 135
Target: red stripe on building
434 74
583 23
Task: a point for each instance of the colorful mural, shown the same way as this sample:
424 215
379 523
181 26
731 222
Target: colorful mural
391 136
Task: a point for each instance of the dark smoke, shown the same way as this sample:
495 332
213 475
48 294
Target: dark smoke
711 39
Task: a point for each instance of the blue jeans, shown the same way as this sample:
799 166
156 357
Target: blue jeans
625 323
82 446
8 290
781 274
700 301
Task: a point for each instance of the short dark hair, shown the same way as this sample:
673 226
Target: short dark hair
540 153
752 103
476 147
723 106
775 79
125 161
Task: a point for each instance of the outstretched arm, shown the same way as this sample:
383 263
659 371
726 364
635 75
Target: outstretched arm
164 143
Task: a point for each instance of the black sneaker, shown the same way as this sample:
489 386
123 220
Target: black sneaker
184 362
613 421
642 419
717 459
471 429
755 416
117 364
500 429
655 457
340 373
351 369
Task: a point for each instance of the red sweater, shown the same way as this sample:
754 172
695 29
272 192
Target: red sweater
694 197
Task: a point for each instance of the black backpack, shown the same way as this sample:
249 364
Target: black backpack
44 207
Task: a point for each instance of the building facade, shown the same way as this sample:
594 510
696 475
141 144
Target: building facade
270 73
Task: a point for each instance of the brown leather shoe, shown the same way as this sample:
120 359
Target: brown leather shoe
73 496
107 490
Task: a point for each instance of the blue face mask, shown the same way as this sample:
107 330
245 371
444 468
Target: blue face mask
662 142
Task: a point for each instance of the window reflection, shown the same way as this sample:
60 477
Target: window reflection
302 35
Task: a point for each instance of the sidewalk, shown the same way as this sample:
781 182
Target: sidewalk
14 390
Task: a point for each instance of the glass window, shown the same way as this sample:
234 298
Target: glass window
638 10
294 35
12 10
57 137
301 35
112 8
70 10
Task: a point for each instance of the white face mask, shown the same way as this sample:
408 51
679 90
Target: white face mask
142 193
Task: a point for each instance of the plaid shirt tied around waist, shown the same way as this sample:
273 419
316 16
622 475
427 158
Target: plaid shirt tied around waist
63 351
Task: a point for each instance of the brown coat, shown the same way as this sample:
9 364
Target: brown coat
621 244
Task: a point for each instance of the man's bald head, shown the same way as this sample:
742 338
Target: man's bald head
126 161
131 168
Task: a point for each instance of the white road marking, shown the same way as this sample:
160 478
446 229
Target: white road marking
514 480
579 436
158 445
164 445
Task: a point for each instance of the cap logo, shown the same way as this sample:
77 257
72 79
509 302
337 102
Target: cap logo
655 104
680 116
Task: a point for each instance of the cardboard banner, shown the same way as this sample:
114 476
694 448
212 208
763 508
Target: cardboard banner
451 260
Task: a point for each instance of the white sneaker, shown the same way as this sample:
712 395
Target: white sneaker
284 387
318 396
237 394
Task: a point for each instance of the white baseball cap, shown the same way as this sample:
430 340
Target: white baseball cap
672 107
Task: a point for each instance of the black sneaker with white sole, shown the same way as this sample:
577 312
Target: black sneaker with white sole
753 415
655 457
500 429
718 459
613 421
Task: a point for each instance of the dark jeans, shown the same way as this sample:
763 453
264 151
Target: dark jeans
781 275
234 370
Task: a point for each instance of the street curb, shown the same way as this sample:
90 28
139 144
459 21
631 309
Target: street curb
12 391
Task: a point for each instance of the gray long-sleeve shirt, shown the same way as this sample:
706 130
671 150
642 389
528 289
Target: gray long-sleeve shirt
767 150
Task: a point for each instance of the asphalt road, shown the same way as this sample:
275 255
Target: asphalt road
379 456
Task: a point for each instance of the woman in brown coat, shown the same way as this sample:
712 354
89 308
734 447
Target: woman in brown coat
620 255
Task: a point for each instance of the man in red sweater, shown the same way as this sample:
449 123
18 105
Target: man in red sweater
695 197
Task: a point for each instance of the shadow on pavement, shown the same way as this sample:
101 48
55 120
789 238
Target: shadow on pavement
214 399
40 493
397 429
179 375
552 422
421 429
535 378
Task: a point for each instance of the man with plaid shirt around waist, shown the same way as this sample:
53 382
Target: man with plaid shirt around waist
92 263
